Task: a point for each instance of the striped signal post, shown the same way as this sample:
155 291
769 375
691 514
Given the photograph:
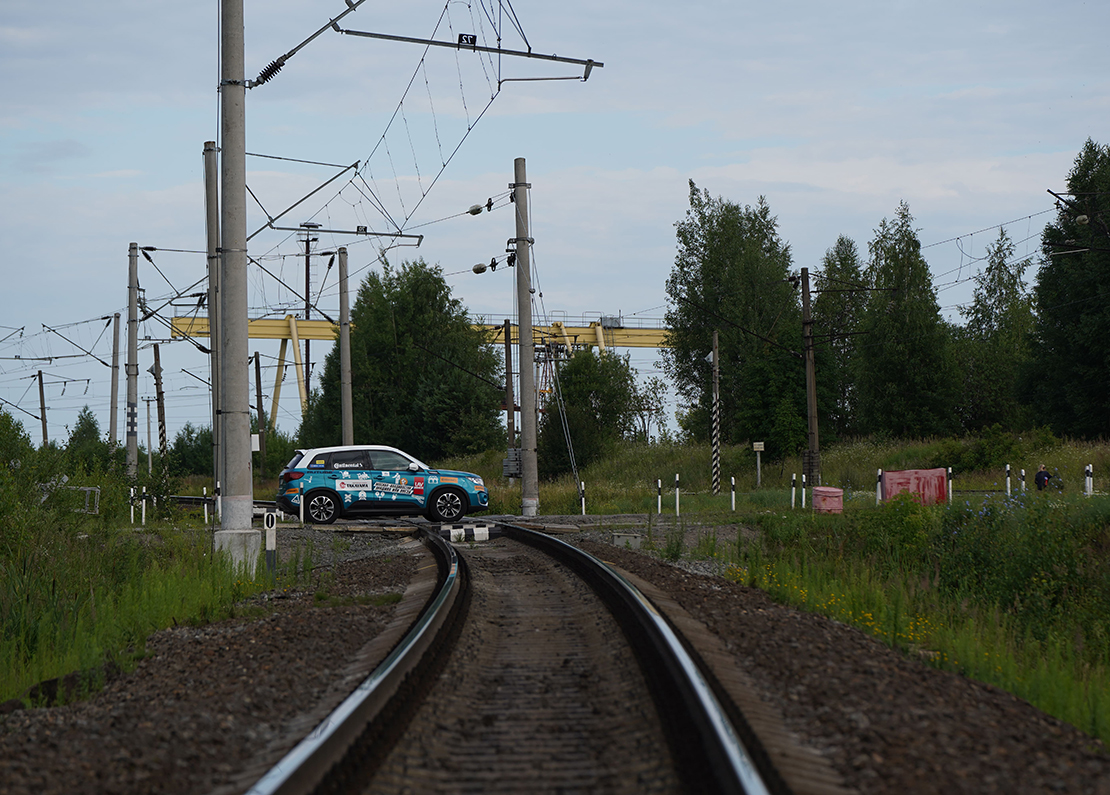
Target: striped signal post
716 418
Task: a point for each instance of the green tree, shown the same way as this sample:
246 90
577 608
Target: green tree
423 378
191 453
993 346
600 403
732 274
837 312
85 449
906 381
1070 361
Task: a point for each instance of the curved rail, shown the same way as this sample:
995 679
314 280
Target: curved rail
700 731
712 755
307 765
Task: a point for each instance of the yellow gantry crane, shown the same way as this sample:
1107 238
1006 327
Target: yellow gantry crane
602 334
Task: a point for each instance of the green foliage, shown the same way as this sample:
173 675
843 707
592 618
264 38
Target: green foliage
904 373
599 403
732 275
993 348
423 379
837 312
191 453
1065 382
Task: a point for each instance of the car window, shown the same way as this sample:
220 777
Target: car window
389 461
316 461
350 459
293 461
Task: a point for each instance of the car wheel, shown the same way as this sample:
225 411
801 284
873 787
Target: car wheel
448 505
322 508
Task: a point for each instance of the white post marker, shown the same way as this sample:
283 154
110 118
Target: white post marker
269 521
1023 481
803 491
734 493
300 502
659 495
793 489
144 507
582 494
204 493
132 501
879 487
1007 480
676 511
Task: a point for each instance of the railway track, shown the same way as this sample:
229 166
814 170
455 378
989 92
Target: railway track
533 667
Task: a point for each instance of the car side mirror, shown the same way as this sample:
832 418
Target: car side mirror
414 467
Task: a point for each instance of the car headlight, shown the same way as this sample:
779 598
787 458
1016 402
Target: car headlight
477 481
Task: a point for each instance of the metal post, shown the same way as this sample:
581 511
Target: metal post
530 481
582 492
949 482
813 460
716 417
346 398
733 493
1007 480
659 496
132 360
676 510
879 487
793 490
212 224
42 412
237 498
113 417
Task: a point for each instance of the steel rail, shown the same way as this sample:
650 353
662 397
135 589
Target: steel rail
701 733
304 768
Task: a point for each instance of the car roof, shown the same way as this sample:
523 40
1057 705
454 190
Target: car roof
310 451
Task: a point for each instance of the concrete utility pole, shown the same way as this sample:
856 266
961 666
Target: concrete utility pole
212 224
530 481
346 400
113 417
510 401
261 416
812 466
237 489
133 361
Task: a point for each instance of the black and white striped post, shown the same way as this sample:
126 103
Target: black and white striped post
879 487
1007 480
582 496
793 490
658 495
716 419
733 479
803 491
1089 480
949 483
676 510
1023 481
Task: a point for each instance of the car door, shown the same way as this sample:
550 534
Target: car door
351 477
395 484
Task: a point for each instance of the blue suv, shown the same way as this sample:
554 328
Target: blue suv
373 480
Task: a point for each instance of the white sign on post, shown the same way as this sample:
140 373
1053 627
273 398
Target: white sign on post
757 447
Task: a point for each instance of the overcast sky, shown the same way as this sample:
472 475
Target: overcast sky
969 112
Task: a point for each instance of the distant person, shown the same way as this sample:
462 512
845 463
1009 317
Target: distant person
1042 478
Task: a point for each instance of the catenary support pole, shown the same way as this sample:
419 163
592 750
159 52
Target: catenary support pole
237 501
813 458
261 409
42 412
212 227
113 416
510 401
530 482
346 399
133 361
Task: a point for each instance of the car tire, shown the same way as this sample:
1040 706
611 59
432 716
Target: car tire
448 505
321 508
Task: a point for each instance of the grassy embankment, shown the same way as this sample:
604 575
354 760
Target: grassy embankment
1010 591
80 591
